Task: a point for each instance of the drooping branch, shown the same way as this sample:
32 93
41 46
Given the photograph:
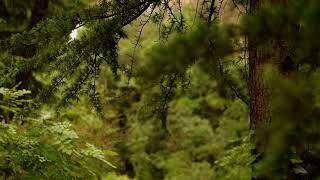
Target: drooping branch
48 33
138 42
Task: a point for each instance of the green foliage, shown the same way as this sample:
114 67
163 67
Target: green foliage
10 100
45 149
207 137
193 78
181 51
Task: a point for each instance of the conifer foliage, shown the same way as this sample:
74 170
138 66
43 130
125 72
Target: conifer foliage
269 60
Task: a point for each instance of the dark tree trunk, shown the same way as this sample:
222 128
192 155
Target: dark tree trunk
260 96
39 10
273 53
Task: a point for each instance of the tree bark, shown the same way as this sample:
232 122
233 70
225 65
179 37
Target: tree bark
39 10
270 52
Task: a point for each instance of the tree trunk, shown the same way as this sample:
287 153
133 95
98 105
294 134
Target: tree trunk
271 52
39 10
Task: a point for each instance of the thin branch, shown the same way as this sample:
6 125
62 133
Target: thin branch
211 11
137 43
181 15
166 3
166 98
236 5
234 90
195 15
145 5
60 79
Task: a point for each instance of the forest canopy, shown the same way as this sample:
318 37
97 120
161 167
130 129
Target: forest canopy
159 89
